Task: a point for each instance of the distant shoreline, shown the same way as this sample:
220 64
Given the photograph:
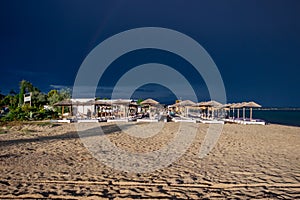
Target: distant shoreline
283 124
275 108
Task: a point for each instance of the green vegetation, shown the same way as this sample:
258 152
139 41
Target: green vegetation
139 101
13 108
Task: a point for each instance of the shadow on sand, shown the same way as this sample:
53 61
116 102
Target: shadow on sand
107 129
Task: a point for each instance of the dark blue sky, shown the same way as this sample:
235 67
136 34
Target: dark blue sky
255 44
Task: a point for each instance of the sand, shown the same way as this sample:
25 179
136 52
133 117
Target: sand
41 160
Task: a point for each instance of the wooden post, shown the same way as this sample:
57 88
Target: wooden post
62 111
207 113
250 114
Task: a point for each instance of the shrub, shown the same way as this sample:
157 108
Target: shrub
26 112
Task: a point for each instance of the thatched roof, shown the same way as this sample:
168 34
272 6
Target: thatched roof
90 102
115 101
185 103
66 102
69 102
149 102
243 105
121 101
211 103
251 104
133 104
102 103
237 105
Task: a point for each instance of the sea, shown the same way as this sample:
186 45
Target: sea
282 116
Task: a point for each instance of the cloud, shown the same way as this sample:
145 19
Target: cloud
60 86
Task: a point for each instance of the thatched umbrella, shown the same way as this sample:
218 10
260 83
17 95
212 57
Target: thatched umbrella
102 103
237 106
100 106
63 103
149 102
212 104
203 105
227 107
121 101
185 103
250 105
87 103
123 105
148 105
133 104
66 102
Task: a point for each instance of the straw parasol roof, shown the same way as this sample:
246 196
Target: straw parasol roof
121 101
102 103
84 103
244 105
90 102
227 105
237 105
66 102
185 103
211 103
149 102
251 104
110 102
201 105
133 104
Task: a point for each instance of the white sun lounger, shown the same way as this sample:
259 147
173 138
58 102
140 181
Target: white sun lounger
60 121
185 120
87 120
147 120
117 120
211 121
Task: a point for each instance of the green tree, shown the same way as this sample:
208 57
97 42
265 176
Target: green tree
65 93
139 101
52 92
10 100
25 87
53 97
38 99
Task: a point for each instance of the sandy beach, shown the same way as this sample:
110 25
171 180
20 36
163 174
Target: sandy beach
43 160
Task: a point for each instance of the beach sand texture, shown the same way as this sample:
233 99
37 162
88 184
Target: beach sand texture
248 162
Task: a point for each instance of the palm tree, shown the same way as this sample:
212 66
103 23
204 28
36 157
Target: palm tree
25 87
